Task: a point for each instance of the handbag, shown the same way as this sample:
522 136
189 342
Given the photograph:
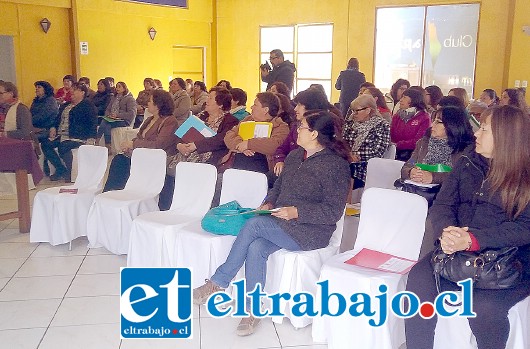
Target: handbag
429 193
226 219
491 269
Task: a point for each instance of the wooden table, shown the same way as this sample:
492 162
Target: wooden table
18 156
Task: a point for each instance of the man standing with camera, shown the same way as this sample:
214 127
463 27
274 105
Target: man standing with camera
281 70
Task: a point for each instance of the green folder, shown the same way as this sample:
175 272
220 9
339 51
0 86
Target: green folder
434 168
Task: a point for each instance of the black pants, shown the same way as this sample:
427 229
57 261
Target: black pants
63 154
491 326
119 172
166 195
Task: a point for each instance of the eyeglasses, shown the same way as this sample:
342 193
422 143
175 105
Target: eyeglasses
271 58
301 127
355 111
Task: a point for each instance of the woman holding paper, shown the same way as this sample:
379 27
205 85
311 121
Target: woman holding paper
157 132
310 194
256 153
210 150
484 204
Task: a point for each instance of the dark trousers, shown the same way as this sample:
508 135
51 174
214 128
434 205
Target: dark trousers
166 195
106 127
63 154
491 326
119 172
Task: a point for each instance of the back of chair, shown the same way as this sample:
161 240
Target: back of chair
194 188
246 187
92 164
390 152
148 171
336 238
382 173
392 221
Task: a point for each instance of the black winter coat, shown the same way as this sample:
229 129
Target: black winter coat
465 200
83 120
283 72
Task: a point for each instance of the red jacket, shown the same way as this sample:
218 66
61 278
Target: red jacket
406 134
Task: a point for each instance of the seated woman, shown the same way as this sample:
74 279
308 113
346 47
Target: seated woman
255 154
489 97
483 204
43 109
224 84
102 98
513 96
409 123
396 92
157 132
16 123
239 101
461 93
207 150
433 94
120 112
310 194
198 97
368 135
449 137
142 99
382 107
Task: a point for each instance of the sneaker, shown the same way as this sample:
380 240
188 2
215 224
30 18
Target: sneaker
247 326
201 294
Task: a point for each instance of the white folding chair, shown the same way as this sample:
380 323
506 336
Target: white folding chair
59 218
392 222
118 135
298 271
194 190
111 215
380 173
390 152
454 332
192 247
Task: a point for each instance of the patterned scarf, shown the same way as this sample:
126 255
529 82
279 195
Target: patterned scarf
362 129
438 152
407 114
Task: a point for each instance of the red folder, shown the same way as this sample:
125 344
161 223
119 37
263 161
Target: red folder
192 136
381 261
68 190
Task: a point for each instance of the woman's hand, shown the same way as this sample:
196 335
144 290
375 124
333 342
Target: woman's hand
266 206
455 239
421 176
248 152
182 148
242 146
355 157
278 168
191 147
286 213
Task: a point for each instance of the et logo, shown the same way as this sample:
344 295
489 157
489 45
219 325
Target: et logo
156 303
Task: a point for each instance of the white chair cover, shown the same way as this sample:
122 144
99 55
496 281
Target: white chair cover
455 332
382 173
118 135
111 215
194 190
390 153
295 272
392 222
192 247
61 218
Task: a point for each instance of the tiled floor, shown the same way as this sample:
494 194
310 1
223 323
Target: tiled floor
52 298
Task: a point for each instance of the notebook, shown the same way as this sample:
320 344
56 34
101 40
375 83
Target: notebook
255 129
381 261
193 130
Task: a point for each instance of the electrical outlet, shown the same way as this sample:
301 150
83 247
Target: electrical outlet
524 84
517 83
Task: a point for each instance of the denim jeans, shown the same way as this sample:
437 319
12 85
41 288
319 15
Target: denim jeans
260 237
106 127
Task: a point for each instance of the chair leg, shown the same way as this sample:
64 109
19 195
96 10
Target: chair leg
70 246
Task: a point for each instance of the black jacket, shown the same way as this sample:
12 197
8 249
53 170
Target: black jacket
83 120
465 200
44 112
283 72
349 83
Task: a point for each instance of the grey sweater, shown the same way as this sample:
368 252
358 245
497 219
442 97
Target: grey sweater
317 187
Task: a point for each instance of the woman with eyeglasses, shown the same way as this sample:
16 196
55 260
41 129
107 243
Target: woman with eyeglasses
368 135
450 136
409 123
310 196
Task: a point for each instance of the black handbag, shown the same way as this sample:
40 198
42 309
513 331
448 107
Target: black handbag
429 193
491 269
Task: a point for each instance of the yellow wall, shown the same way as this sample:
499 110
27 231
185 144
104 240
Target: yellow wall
354 35
520 46
38 56
119 46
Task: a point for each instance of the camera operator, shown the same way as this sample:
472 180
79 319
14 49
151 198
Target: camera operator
282 70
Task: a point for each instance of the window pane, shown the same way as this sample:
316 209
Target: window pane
277 37
304 85
450 46
315 38
398 46
314 66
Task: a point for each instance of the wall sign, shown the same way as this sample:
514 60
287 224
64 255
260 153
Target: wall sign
84 47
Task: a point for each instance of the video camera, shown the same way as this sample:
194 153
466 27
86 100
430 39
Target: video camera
265 66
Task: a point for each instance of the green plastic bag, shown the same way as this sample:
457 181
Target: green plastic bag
434 168
226 219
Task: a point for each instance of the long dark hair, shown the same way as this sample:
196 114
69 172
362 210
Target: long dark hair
395 87
324 123
457 127
48 88
416 98
509 172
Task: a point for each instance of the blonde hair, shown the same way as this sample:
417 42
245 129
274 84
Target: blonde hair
366 101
